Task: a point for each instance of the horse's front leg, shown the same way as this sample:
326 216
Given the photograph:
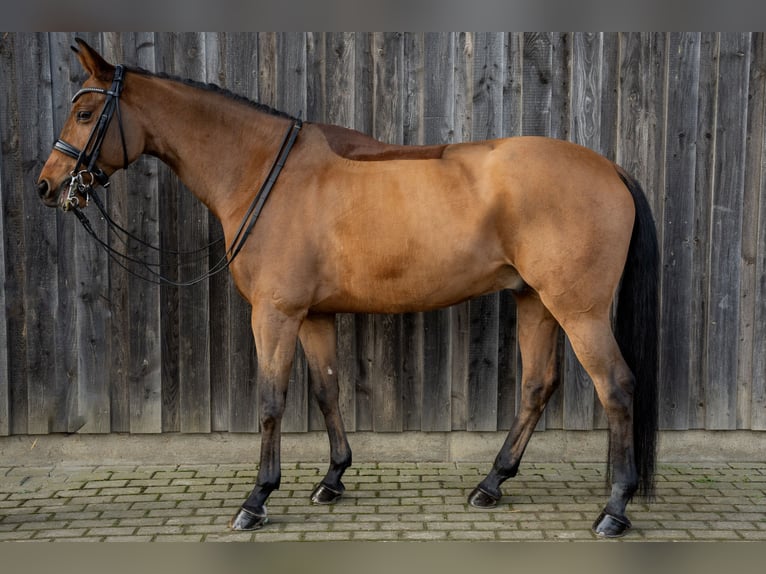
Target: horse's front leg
317 335
275 338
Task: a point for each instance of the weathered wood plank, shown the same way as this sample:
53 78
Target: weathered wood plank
13 233
193 302
758 404
756 122
40 257
5 403
536 84
678 232
726 233
704 176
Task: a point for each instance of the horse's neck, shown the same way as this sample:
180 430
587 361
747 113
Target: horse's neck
218 147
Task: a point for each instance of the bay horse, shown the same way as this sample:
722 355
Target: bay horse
358 226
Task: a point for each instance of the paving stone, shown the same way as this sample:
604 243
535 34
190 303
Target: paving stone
385 501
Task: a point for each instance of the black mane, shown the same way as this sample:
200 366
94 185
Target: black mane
214 88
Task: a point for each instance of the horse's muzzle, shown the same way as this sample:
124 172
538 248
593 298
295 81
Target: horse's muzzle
47 193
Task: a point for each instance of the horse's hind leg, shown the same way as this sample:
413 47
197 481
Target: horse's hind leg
317 335
596 348
538 333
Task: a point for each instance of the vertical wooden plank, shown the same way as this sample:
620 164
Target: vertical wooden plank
537 88
704 176
725 230
610 80
13 233
758 133
50 390
586 130
193 302
5 404
170 188
412 323
487 116
291 98
756 112
338 106
438 127
387 57
678 236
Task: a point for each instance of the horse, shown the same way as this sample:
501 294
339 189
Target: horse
355 225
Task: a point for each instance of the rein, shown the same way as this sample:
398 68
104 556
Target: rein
97 176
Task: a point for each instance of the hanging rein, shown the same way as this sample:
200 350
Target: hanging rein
85 175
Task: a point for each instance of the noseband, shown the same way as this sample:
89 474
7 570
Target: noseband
82 180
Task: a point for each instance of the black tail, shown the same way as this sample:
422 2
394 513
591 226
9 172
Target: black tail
637 331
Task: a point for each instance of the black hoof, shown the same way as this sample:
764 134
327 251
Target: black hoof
324 494
480 498
247 520
609 526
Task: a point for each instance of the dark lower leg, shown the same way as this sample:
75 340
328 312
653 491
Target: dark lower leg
252 514
317 336
507 461
538 334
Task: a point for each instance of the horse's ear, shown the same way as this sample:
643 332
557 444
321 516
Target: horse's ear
92 61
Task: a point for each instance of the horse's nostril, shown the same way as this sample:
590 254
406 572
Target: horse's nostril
42 188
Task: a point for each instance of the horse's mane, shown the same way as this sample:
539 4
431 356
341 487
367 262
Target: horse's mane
214 88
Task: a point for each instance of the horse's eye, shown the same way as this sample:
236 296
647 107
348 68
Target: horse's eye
83 115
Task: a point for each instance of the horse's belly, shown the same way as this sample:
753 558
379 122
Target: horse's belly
415 288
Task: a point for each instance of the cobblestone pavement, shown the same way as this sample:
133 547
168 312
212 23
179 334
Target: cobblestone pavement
383 501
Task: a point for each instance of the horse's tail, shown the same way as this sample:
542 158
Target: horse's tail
637 331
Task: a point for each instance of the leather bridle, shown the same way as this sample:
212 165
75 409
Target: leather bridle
88 155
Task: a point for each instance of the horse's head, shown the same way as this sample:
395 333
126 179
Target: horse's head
99 136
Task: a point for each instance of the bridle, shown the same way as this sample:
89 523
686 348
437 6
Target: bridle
87 158
88 155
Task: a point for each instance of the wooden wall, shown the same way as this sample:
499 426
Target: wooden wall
87 348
